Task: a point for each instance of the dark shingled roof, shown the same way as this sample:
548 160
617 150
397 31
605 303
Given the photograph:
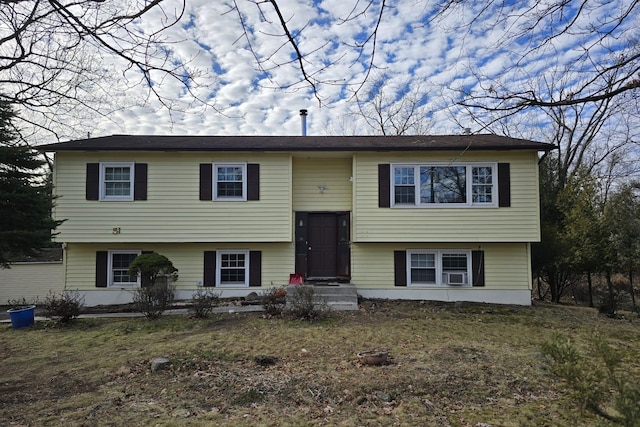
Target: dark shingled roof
44 255
297 143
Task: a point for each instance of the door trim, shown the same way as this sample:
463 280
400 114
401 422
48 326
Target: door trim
343 244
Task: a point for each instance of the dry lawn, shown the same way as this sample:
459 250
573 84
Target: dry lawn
478 365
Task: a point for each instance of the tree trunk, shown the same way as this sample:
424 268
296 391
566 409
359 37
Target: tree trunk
610 305
554 288
633 294
538 283
590 288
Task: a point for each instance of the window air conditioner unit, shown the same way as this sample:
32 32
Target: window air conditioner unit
456 278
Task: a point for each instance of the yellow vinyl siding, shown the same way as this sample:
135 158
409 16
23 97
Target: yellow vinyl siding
332 173
173 211
31 281
506 264
188 258
518 223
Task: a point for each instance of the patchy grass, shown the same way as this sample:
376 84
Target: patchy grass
478 365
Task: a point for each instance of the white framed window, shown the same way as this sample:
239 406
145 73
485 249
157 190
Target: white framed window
118 269
482 184
230 181
444 185
446 267
232 268
116 181
422 268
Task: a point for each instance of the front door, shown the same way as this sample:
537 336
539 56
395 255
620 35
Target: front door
322 242
322 245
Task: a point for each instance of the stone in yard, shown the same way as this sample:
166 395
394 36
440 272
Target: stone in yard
383 396
252 297
159 363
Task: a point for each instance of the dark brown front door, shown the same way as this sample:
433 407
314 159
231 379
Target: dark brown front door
322 245
322 241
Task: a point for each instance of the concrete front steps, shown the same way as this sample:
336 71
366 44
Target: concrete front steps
338 296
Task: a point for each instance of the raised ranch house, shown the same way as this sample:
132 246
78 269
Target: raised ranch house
447 218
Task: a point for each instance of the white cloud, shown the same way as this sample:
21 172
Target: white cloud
441 56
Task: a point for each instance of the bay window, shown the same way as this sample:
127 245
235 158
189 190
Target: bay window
447 185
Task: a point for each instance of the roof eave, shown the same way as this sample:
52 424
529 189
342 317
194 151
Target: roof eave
541 147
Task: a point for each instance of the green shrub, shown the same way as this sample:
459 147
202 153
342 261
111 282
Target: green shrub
596 381
274 301
203 303
151 267
65 307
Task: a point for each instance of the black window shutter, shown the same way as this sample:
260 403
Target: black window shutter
92 190
206 181
140 182
504 185
400 268
384 185
255 268
253 181
101 268
477 267
209 276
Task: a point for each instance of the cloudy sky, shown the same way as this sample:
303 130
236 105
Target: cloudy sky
472 48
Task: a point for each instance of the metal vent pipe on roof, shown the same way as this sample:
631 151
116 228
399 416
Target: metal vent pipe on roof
303 121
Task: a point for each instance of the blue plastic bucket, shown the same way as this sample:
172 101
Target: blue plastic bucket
22 317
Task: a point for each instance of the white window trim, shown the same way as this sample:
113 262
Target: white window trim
103 166
439 271
468 189
244 181
110 283
219 254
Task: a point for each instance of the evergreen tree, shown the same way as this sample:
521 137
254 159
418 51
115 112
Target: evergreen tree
25 196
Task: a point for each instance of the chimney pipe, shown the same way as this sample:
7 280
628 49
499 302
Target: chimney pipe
303 121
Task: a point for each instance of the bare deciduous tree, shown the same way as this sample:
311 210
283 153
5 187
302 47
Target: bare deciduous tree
392 108
594 154
603 30
57 55
370 11
609 58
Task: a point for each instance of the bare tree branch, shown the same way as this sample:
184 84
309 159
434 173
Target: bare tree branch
542 25
390 108
57 54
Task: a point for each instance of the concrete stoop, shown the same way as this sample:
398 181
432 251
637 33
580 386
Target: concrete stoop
337 296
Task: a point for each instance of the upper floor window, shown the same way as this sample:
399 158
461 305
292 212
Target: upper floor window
230 181
116 181
443 185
